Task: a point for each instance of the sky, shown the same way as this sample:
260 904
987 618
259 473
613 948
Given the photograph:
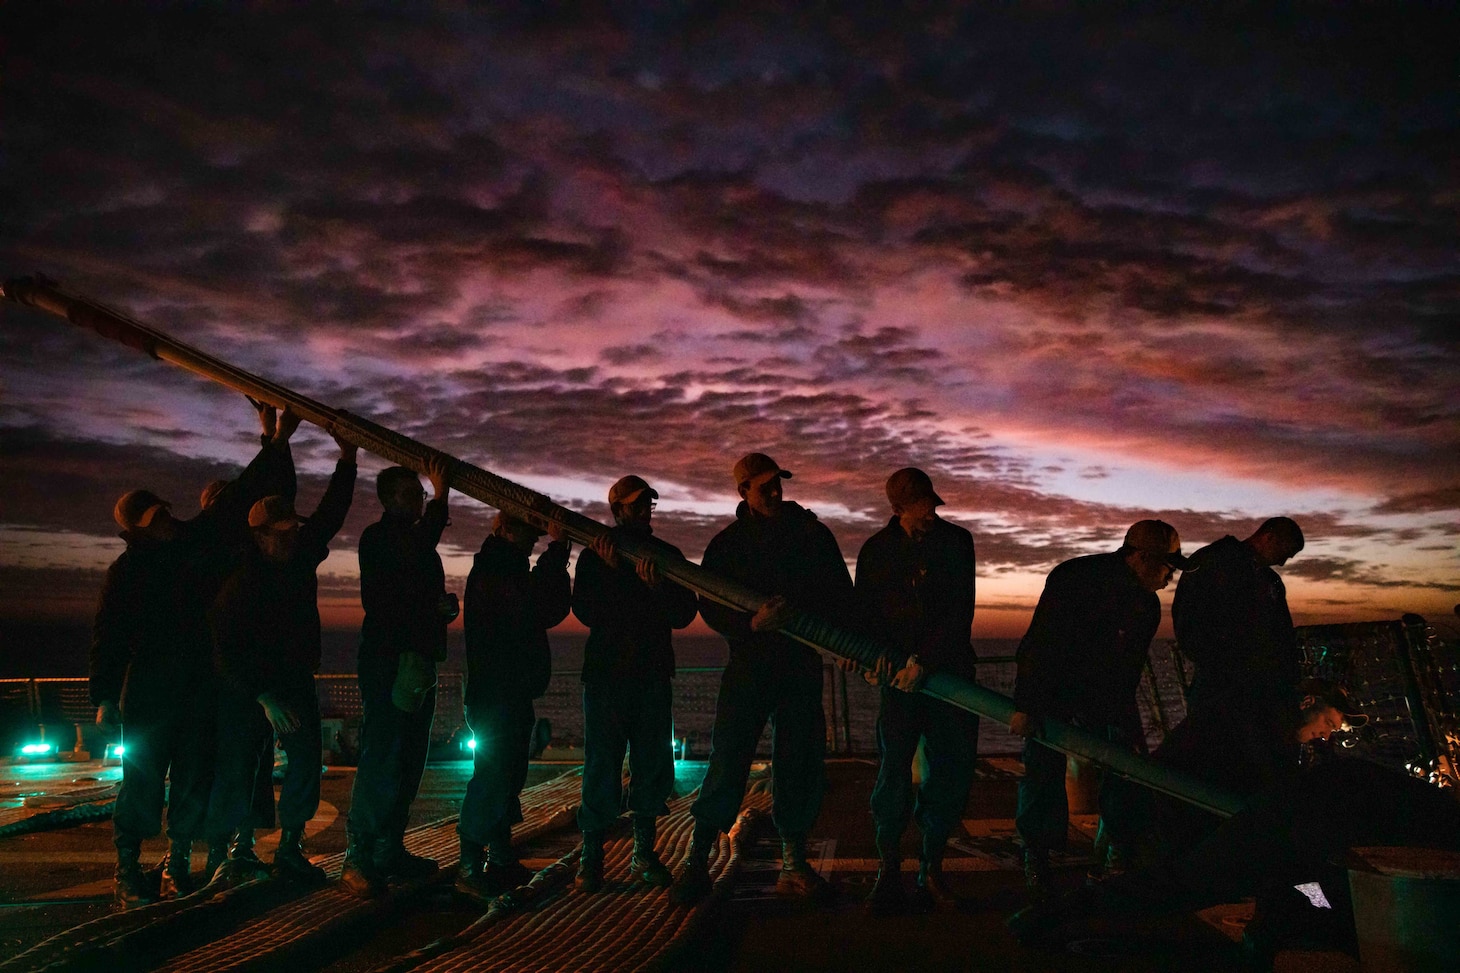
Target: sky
1082 268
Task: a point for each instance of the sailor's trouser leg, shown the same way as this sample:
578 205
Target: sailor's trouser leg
897 744
950 744
605 740
299 794
393 749
503 733
651 749
138 812
1043 815
798 754
741 711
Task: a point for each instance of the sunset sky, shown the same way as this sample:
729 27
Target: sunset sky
1083 269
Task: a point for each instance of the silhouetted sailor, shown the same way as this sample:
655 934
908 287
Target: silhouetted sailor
230 555
1296 833
407 609
1080 662
151 666
780 548
509 609
915 582
1246 750
1231 619
628 662
266 642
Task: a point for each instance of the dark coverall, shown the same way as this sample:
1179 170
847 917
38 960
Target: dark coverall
917 596
770 676
401 586
508 664
628 663
266 639
1294 834
261 815
1246 750
150 653
1231 619
1080 662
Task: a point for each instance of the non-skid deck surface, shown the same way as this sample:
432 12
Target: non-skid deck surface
145 938
545 807
626 926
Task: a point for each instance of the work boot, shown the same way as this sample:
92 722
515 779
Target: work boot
1036 874
289 860
504 875
645 865
359 876
798 878
888 897
243 862
394 863
470 879
134 886
693 883
931 890
177 870
1118 861
217 855
590 863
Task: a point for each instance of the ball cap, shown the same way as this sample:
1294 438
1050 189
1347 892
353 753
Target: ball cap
754 466
275 513
1156 537
627 490
908 486
137 508
210 493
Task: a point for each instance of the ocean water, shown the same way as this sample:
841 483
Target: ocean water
33 649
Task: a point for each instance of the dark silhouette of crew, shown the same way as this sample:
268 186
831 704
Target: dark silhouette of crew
150 666
915 591
403 637
1232 621
1080 662
266 643
628 662
780 548
509 609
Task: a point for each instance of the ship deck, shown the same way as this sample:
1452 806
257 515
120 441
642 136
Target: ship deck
56 912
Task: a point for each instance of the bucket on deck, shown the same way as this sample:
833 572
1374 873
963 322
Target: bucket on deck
1406 908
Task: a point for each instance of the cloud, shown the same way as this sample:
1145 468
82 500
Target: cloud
569 246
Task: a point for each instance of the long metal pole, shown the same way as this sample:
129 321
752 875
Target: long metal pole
535 508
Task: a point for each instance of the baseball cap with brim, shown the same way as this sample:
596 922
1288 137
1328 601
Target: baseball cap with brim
210 493
1332 694
1156 537
629 488
274 513
138 508
909 485
755 466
